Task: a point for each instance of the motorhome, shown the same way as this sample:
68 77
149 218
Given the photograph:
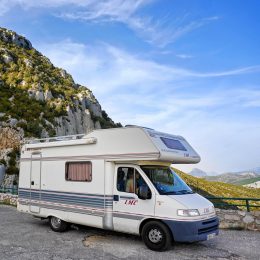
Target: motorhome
117 179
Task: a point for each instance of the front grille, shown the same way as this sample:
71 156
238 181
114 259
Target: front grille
209 222
207 229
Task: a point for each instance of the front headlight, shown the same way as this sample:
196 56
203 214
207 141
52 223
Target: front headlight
188 212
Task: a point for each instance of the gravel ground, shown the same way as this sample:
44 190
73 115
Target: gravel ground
24 237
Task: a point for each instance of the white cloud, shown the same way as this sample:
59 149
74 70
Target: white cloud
141 91
159 31
184 56
120 68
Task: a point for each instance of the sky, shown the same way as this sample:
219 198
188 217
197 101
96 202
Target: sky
190 68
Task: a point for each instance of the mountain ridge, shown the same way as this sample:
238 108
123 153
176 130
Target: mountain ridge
229 177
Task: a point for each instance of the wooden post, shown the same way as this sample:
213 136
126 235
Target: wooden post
247 206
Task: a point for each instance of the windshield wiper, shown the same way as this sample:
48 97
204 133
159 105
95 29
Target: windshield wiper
168 192
176 192
185 191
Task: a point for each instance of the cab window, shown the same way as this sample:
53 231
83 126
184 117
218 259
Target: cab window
129 180
125 179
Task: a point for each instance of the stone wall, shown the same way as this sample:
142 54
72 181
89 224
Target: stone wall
8 199
237 219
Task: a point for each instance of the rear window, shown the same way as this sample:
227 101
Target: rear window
173 144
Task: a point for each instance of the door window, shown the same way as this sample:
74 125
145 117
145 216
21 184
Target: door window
129 180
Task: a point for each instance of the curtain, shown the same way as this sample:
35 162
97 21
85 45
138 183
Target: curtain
79 171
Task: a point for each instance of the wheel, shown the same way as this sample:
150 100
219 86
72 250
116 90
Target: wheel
57 224
156 236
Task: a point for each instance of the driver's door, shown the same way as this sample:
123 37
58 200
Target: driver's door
128 209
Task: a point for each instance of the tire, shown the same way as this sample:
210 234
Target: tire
57 224
156 236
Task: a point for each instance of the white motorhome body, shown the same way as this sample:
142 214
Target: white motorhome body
77 179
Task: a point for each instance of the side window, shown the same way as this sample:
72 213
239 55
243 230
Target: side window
78 171
129 180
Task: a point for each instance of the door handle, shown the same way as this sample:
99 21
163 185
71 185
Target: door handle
116 197
32 182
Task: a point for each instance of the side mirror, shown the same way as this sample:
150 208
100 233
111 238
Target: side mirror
143 192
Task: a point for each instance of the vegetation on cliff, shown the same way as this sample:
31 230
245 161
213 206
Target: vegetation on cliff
34 92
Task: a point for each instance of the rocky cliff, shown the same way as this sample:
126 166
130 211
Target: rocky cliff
41 99
38 99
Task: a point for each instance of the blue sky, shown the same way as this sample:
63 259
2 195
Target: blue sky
185 67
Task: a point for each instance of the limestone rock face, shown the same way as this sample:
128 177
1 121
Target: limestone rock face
9 36
48 95
79 114
77 121
28 63
48 101
7 58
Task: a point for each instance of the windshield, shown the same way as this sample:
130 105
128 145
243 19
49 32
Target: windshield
166 180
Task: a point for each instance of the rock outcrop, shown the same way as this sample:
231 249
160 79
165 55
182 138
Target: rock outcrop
49 102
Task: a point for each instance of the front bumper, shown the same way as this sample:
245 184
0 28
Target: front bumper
191 231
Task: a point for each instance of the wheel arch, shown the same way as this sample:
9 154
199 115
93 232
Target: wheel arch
144 221
56 216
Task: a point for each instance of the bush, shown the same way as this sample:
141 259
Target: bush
12 170
3 161
12 161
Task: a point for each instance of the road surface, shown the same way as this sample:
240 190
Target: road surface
24 237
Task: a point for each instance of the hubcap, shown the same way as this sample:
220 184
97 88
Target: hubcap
56 222
155 235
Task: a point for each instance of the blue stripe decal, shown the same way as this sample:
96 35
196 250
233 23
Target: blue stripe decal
68 198
65 192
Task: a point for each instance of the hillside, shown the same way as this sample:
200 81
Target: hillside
41 99
38 99
220 189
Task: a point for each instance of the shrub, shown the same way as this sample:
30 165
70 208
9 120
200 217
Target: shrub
3 161
12 170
